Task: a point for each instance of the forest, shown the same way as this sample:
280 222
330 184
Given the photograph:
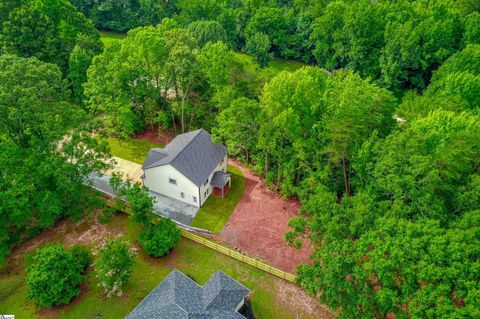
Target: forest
378 135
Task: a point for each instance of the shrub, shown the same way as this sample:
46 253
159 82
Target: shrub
54 276
157 240
114 264
82 254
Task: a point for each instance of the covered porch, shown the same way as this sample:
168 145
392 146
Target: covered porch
221 183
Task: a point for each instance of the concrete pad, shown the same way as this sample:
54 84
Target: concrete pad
127 169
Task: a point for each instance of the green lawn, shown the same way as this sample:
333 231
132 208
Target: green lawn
110 37
194 260
215 212
134 150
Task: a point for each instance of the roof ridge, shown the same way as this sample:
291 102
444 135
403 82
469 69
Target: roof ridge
186 145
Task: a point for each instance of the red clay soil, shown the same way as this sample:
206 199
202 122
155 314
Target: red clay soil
258 225
157 136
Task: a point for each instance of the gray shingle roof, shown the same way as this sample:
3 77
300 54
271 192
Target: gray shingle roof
178 297
220 179
193 154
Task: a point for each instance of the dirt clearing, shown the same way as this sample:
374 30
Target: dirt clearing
258 225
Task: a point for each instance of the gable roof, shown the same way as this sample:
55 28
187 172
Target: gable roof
178 296
193 154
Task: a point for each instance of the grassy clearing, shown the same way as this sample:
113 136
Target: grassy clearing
134 150
110 37
216 211
189 257
275 66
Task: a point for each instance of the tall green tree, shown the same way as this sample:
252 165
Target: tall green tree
292 106
354 108
259 46
238 126
47 150
207 31
420 37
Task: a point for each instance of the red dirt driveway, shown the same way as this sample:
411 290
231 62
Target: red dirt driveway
258 225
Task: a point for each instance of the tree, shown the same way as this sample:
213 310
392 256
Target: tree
48 30
417 42
350 35
29 33
238 126
274 23
472 34
354 109
259 46
138 198
114 263
215 62
44 142
79 62
405 243
180 65
421 167
207 31
54 276
292 105
157 240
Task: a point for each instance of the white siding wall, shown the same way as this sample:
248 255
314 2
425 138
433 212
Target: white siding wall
157 180
222 166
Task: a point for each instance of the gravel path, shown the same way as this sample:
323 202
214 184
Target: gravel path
258 225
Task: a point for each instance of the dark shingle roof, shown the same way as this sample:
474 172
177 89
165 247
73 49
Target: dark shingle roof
220 179
193 154
178 296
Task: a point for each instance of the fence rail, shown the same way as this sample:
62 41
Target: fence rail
187 233
239 256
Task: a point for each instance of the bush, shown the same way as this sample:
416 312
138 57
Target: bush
114 264
54 276
82 254
157 240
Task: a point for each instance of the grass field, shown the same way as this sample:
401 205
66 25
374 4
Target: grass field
110 37
134 150
216 211
194 260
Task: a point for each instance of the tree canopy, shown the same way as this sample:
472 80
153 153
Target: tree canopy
43 144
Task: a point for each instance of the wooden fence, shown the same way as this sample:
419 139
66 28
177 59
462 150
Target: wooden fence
225 250
239 256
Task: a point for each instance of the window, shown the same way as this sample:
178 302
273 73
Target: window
182 195
206 182
172 181
205 194
194 199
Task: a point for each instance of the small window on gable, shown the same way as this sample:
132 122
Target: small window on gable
194 199
172 181
182 195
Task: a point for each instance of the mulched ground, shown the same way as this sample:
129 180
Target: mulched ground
258 225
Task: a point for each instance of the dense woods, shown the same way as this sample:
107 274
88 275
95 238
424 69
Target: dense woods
378 136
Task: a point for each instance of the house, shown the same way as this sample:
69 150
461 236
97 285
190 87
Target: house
178 297
188 168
